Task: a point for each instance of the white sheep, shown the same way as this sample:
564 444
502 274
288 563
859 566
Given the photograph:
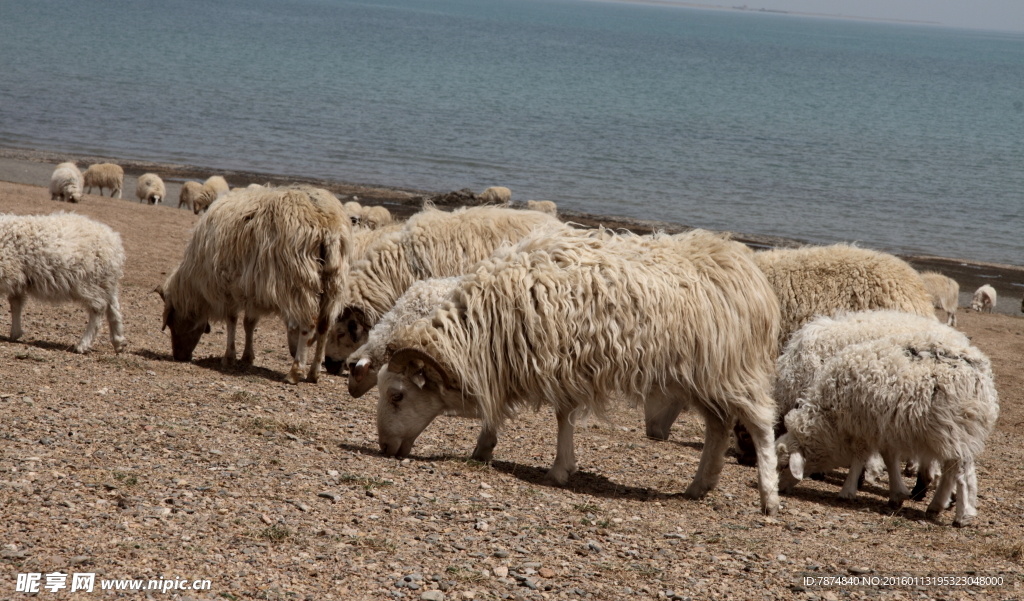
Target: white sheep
375 217
432 243
945 294
60 258
104 175
570 320
66 183
984 299
150 189
544 206
925 393
498 195
355 211
281 251
190 191
214 187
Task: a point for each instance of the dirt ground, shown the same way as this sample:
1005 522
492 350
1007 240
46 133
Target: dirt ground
133 466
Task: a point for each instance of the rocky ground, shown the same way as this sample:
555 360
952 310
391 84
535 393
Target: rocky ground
133 466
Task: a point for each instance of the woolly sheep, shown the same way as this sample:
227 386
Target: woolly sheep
190 191
880 396
985 299
363 239
498 195
572 320
59 258
432 243
150 189
544 206
280 251
104 175
66 183
355 211
375 217
945 294
214 187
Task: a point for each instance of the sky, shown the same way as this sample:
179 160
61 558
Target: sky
1003 15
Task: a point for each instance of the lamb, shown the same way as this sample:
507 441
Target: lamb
190 191
280 251
375 217
432 243
419 301
214 187
66 183
928 394
59 258
945 294
544 206
150 189
571 320
496 195
104 175
985 299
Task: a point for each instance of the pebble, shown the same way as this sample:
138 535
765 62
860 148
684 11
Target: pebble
501 572
501 554
546 573
432 596
333 496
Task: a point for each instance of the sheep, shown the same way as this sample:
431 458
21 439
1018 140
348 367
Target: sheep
190 191
280 251
985 299
418 301
363 238
59 258
355 211
926 393
150 189
570 320
496 195
945 294
432 243
214 187
104 175
544 206
66 183
375 217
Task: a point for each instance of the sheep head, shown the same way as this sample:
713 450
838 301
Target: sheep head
414 389
362 374
185 332
791 461
349 332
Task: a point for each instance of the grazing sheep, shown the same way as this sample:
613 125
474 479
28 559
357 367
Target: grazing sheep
375 217
431 244
150 189
984 299
190 191
496 195
945 294
280 251
59 258
571 320
544 206
926 394
66 183
104 175
214 187
363 239
355 211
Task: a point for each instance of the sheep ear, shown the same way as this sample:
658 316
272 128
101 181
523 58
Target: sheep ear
431 369
796 465
160 290
168 316
207 330
419 380
358 371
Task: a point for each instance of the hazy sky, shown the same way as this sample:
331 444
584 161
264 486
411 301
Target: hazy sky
973 14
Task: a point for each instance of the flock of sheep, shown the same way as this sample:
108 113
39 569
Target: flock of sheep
821 357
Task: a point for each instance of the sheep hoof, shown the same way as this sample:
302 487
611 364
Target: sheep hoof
556 477
293 376
248 359
227 361
483 455
313 377
770 508
120 345
694 492
81 349
897 501
16 335
847 495
964 522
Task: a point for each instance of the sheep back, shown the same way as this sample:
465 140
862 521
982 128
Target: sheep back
375 217
214 187
544 206
104 175
945 293
66 183
499 195
985 299
190 192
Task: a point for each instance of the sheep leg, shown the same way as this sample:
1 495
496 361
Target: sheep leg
712 458
762 434
323 325
230 354
293 340
966 494
17 304
660 412
301 349
115 324
249 325
485 444
118 193
940 500
898 492
852 483
95 318
565 458
926 472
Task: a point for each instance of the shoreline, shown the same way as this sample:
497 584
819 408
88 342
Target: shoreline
32 167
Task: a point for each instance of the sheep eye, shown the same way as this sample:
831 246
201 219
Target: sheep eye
396 398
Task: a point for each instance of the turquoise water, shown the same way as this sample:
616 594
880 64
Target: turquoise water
904 138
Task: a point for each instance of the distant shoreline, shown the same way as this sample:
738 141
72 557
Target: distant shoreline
33 167
772 11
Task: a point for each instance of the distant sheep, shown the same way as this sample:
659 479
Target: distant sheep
375 217
66 183
354 211
497 195
104 175
60 258
985 299
945 294
151 189
881 396
190 191
280 251
544 206
571 321
214 187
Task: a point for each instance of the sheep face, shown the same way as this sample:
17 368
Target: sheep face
185 332
413 391
361 374
349 333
